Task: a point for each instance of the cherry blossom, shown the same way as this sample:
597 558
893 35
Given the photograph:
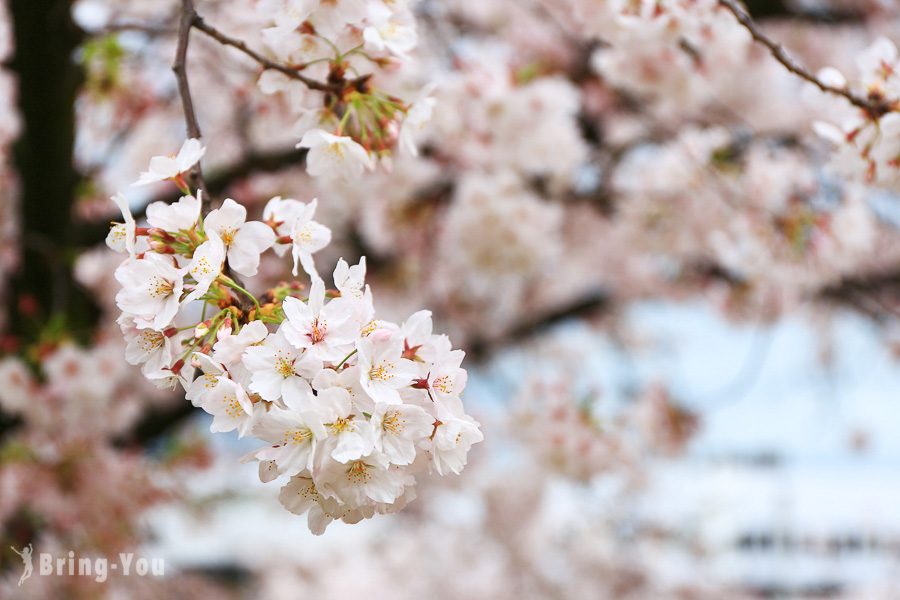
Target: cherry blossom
334 156
280 370
382 372
307 238
326 331
243 240
164 168
151 290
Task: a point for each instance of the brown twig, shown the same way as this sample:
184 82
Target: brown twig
125 26
189 20
267 64
592 303
873 106
188 15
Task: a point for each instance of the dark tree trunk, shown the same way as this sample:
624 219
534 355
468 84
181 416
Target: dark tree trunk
42 289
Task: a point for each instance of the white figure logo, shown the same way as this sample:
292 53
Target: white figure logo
26 559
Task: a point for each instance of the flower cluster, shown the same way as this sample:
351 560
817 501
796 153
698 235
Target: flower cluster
353 122
564 435
64 476
350 408
497 234
672 53
866 143
756 208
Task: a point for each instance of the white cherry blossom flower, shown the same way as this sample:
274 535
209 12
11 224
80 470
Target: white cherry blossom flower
280 213
179 216
326 330
333 156
121 236
300 495
244 240
206 265
229 348
388 33
418 342
230 407
147 346
279 370
350 281
163 168
382 370
347 378
292 437
308 237
208 379
446 379
167 379
360 481
349 434
151 289
454 436
398 428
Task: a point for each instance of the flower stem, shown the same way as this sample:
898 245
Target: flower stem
230 283
346 358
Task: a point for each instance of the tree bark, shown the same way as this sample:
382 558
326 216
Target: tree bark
42 289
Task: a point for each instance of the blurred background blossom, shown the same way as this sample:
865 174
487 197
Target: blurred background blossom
672 262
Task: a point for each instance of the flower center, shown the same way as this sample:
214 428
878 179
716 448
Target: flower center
369 328
358 472
202 269
443 384
284 365
210 381
342 425
317 331
149 340
227 236
161 288
297 437
380 373
336 150
233 408
304 235
392 422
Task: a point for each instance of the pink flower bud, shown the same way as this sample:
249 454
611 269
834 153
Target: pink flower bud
202 329
225 330
161 247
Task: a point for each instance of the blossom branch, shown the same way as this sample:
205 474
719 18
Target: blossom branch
217 181
591 304
188 14
872 106
127 26
849 292
871 294
267 64
189 19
